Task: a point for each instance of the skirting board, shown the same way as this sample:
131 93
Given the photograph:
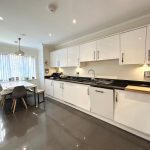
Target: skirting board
128 129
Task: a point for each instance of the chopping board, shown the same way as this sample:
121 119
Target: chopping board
139 89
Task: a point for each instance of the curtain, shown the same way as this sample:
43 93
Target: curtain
12 65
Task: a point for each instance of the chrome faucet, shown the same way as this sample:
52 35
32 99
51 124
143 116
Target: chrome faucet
93 72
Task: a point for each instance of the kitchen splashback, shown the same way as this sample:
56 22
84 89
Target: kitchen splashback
109 69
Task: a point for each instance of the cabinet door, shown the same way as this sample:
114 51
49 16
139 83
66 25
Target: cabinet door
108 48
57 89
133 47
132 109
63 57
83 97
77 95
73 56
102 102
54 59
148 46
70 94
49 87
88 52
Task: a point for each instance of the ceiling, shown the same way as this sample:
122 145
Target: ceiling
31 17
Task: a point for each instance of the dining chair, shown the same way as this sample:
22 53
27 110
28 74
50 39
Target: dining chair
19 93
17 78
12 79
3 95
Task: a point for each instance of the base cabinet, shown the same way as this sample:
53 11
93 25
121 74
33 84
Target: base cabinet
49 87
58 92
76 94
132 109
102 102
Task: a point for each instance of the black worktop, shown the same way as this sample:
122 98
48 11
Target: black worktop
101 82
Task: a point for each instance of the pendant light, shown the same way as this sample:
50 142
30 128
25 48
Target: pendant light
19 52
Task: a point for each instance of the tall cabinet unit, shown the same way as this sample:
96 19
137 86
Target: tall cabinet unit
108 48
88 52
133 46
73 56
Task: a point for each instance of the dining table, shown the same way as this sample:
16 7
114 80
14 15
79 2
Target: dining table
7 87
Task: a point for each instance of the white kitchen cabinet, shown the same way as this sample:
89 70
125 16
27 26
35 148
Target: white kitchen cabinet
54 59
133 46
148 46
49 87
88 52
76 94
73 56
108 48
63 57
58 91
102 102
132 109
58 58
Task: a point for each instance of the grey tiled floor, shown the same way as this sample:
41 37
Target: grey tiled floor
59 127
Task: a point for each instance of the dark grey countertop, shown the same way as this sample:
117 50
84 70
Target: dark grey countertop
102 83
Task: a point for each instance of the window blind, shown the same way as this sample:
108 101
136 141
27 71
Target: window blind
12 65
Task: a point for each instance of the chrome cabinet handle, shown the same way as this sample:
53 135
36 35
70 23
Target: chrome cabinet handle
62 85
94 55
122 57
149 55
99 91
116 97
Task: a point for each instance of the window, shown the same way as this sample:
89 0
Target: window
12 65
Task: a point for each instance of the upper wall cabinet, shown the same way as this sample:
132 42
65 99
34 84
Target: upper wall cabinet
73 56
108 48
54 59
58 58
63 57
88 52
133 46
148 46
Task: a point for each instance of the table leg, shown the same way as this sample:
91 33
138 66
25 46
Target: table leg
35 96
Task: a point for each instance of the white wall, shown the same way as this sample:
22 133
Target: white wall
109 69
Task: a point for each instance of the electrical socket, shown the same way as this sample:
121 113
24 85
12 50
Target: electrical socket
146 74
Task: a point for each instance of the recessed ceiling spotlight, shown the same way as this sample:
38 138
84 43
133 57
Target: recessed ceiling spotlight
74 21
50 34
1 18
